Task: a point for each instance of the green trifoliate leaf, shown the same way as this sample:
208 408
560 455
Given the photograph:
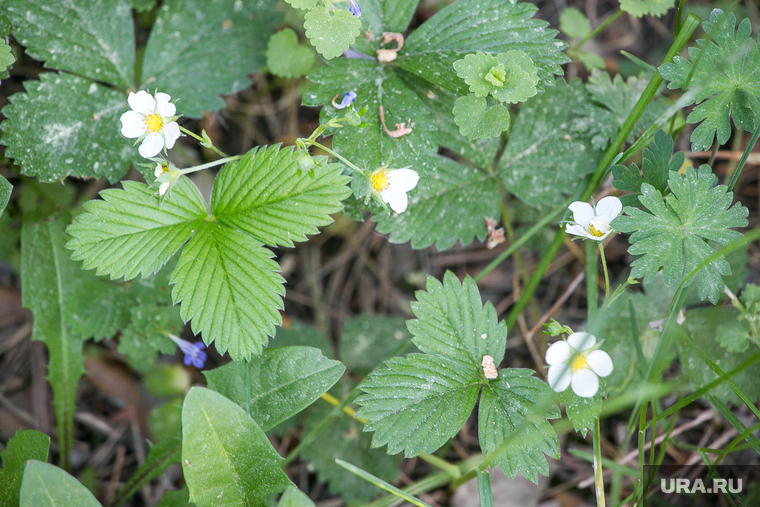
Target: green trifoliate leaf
286 57
475 121
90 39
544 158
266 196
23 446
230 287
331 33
294 497
574 23
132 232
46 485
226 457
672 234
657 164
5 193
281 382
201 49
510 77
6 58
639 8
302 4
726 80
583 412
452 322
78 135
513 411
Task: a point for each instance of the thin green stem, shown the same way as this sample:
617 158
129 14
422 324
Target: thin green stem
334 154
247 388
598 477
208 165
607 22
204 142
592 277
484 488
606 274
745 155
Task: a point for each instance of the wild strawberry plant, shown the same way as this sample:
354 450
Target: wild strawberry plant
431 130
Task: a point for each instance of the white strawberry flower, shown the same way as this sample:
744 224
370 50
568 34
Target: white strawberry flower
166 174
577 363
393 184
151 120
593 222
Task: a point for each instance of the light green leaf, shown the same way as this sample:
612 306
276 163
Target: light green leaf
178 498
286 57
78 135
639 8
510 77
514 409
46 485
23 446
294 497
46 272
589 60
226 458
574 23
672 234
452 321
451 207
302 4
418 402
229 286
266 196
477 68
132 232
90 39
544 157
6 57
281 382
200 49
454 31
5 193
727 80
345 439
367 340
331 33
583 412
475 121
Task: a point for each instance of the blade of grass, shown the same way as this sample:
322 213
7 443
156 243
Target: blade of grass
381 483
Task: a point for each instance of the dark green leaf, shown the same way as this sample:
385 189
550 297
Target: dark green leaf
5 193
367 340
388 15
146 334
583 412
23 446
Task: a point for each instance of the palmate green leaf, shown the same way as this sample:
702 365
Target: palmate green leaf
5 193
46 272
78 135
286 57
331 32
658 161
510 77
727 79
475 121
131 231
265 195
229 286
95 39
514 409
46 485
200 49
23 446
498 27
672 234
281 382
639 8
418 402
545 158
344 439
226 457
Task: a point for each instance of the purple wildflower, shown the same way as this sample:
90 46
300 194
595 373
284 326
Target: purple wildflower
193 351
346 101
354 9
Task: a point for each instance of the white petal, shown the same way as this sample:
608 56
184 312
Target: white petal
159 170
132 125
171 134
582 213
600 362
151 145
577 230
163 106
581 341
559 377
601 223
610 206
585 383
558 352
403 179
142 102
164 187
396 199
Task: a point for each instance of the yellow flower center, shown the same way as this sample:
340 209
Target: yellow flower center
592 230
379 181
578 363
164 170
154 123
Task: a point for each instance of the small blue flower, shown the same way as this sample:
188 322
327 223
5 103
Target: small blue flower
193 351
354 9
347 100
